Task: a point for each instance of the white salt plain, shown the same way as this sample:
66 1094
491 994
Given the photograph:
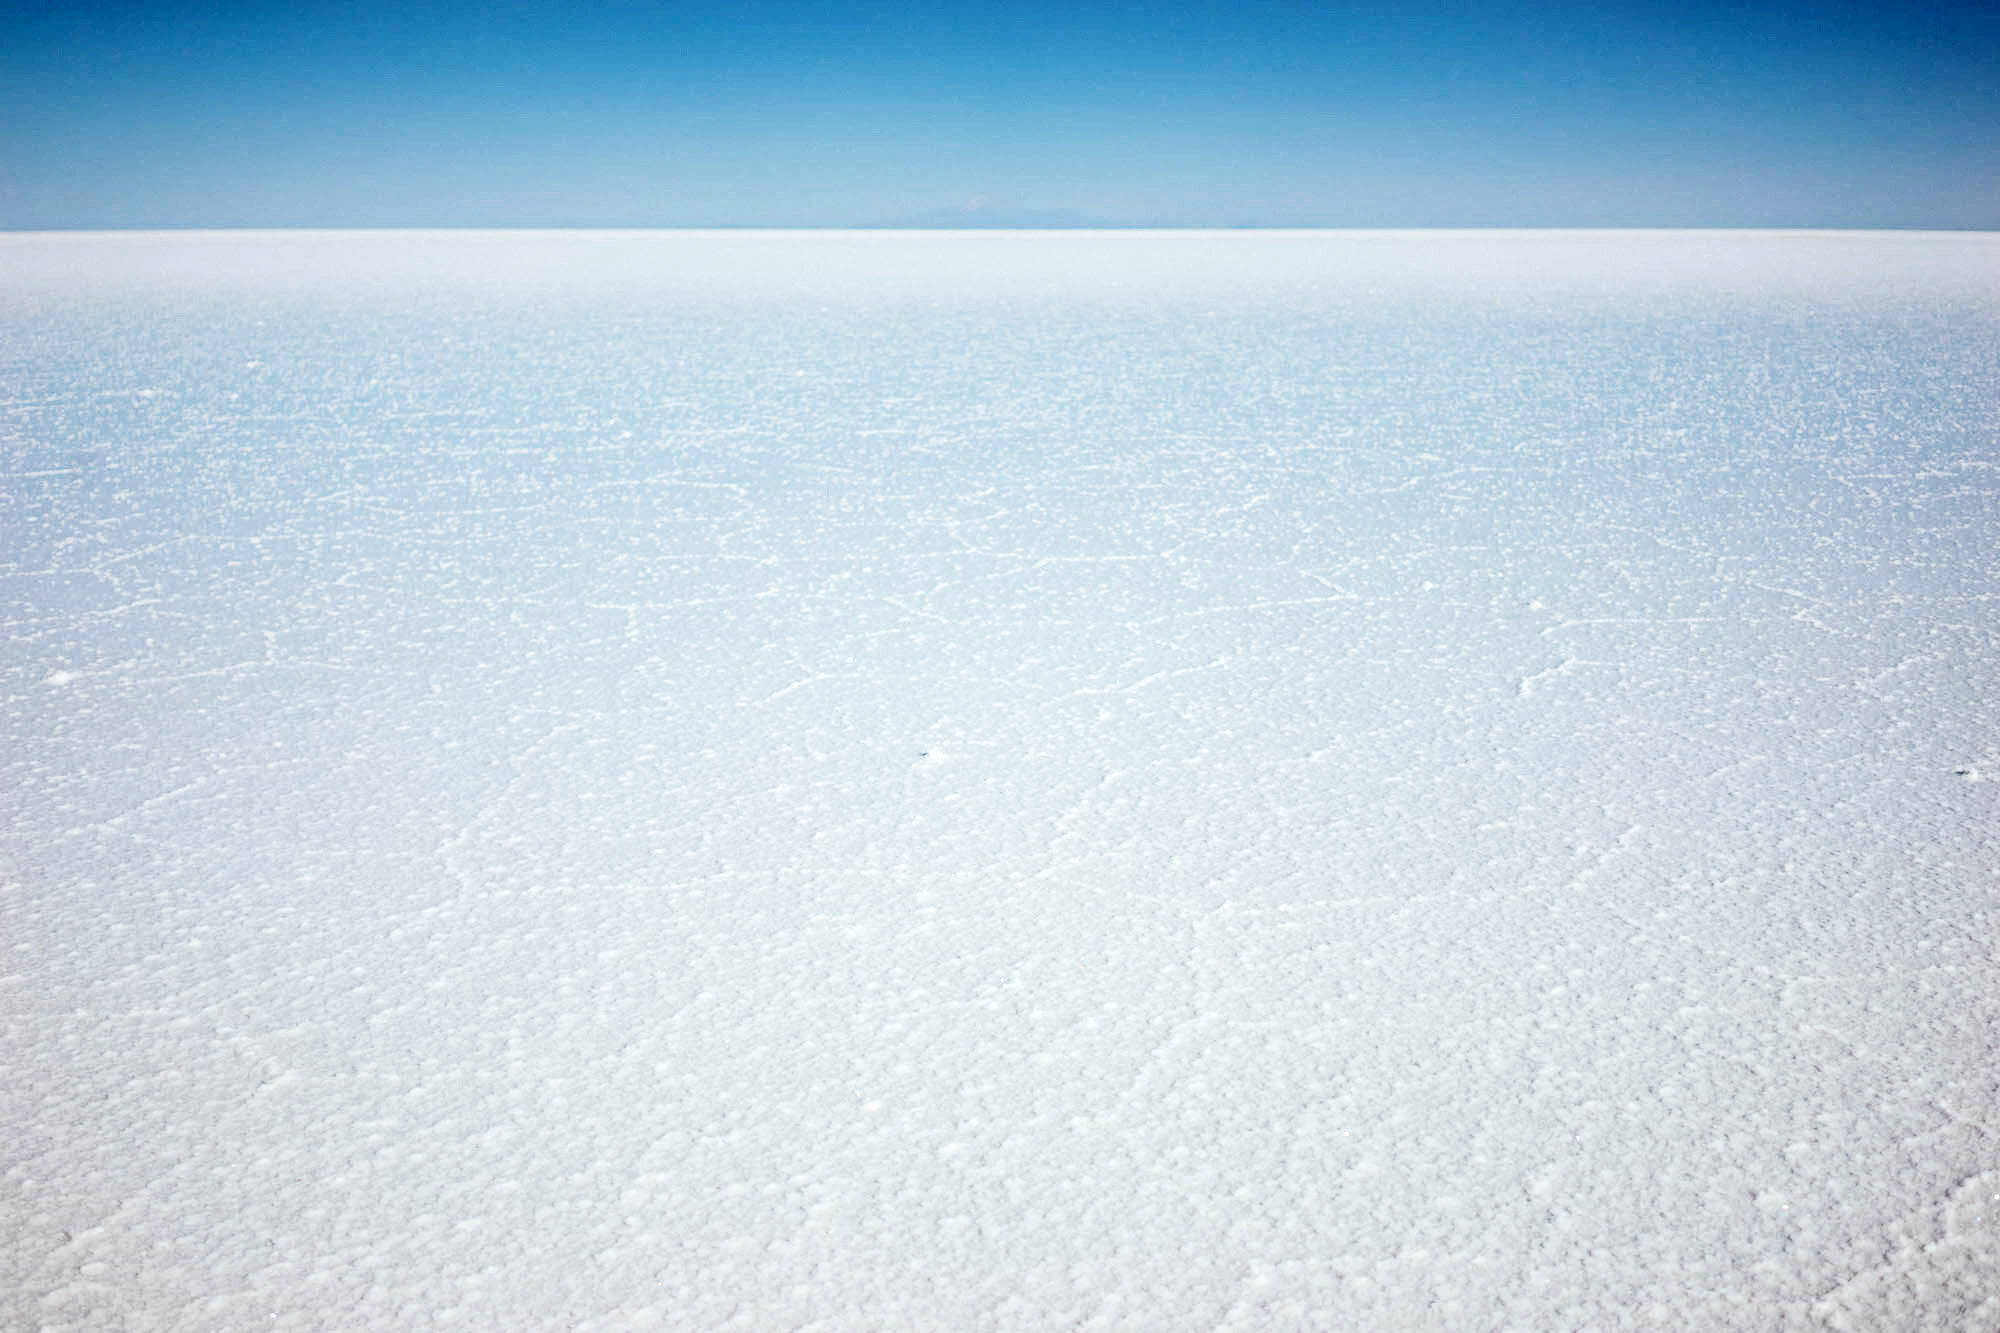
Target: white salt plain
867 781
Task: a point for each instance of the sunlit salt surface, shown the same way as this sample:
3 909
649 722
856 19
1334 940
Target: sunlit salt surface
879 781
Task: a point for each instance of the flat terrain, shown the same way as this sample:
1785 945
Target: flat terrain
896 780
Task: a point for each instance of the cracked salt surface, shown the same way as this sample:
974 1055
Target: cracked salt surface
876 781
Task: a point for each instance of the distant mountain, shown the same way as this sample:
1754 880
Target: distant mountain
982 216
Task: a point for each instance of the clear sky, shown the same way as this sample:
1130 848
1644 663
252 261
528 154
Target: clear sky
1402 113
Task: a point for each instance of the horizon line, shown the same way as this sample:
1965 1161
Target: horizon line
1360 228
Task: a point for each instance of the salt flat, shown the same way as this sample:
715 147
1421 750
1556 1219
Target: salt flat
860 780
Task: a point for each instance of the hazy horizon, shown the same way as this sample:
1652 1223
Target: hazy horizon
905 225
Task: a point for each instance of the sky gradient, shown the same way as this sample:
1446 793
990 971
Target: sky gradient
792 114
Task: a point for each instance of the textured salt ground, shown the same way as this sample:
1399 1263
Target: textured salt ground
863 781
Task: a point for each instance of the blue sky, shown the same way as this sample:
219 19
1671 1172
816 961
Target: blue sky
792 114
